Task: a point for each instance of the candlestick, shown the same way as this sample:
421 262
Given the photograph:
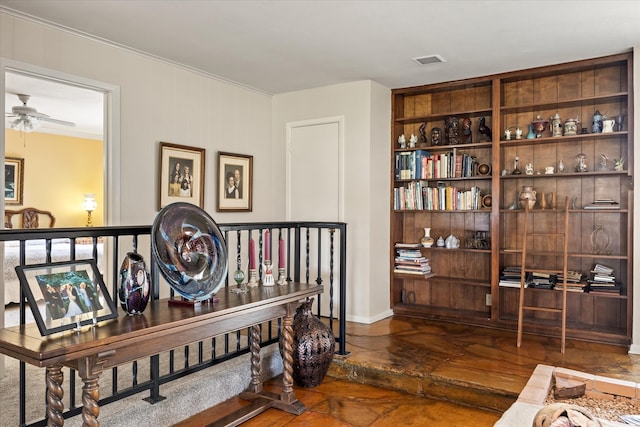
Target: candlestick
281 279
281 263
267 245
252 254
253 278
267 280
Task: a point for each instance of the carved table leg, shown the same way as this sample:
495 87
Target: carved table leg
287 358
90 369
55 407
256 373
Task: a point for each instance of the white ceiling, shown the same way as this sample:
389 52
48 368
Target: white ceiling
276 46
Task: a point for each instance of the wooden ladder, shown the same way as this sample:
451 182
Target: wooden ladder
525 268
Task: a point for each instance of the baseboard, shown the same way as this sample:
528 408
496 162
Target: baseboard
370 319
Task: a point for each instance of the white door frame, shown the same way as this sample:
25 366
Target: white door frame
111 130
339 120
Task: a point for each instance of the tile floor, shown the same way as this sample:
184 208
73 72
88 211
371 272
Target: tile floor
403 372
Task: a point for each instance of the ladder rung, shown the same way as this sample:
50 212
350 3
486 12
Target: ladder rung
547 309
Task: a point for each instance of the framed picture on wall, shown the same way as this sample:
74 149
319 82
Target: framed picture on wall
13 180
66 295
181 175
235 182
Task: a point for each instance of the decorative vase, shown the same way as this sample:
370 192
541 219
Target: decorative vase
527 195
426 240
135 284
313 347
440 242
596 124
531 134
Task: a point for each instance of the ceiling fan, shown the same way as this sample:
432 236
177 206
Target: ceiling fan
27 119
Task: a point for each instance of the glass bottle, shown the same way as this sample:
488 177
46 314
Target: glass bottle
516 168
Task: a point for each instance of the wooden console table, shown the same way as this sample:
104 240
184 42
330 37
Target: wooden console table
160 328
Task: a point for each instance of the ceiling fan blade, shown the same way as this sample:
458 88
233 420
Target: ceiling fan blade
59 122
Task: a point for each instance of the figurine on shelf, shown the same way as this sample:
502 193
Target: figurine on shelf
423 135
518 133
603 162
436 136
528 169
484 130
467 137
618 164
402 141
452 130
507 134
413 140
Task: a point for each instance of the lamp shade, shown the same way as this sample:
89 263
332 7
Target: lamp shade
89 203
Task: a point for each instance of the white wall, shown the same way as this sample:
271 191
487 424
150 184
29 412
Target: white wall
159 102
366 108
164 102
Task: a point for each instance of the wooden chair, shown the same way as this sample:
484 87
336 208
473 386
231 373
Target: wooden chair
28 218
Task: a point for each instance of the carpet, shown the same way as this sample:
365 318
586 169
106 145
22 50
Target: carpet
184 398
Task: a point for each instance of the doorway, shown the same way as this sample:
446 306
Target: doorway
315 184
64 135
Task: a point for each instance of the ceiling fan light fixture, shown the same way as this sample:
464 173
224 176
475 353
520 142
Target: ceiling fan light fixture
25 124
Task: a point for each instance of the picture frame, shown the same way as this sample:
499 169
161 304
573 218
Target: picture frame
66 295
181 175
232 166
13 180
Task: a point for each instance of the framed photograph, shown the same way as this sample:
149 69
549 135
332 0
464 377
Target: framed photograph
235 182
66 295
181 175
13 180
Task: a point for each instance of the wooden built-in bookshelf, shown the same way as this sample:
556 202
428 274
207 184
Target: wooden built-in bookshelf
464 285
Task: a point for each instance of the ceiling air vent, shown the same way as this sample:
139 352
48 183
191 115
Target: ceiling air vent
430 59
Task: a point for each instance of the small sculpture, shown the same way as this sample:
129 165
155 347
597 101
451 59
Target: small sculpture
507 134
402 141
618 164
603 161
413 140
452 130
436 136
484 130
518 133
423 134
528 169
467 137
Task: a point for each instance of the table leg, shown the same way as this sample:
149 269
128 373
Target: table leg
90 369
256 372
287 394
55 407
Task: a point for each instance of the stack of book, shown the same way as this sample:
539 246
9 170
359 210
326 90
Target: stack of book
575 281
540 280
603 280
603 204
510 277
409 260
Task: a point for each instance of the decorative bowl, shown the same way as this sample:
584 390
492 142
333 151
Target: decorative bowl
539 126
190 250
